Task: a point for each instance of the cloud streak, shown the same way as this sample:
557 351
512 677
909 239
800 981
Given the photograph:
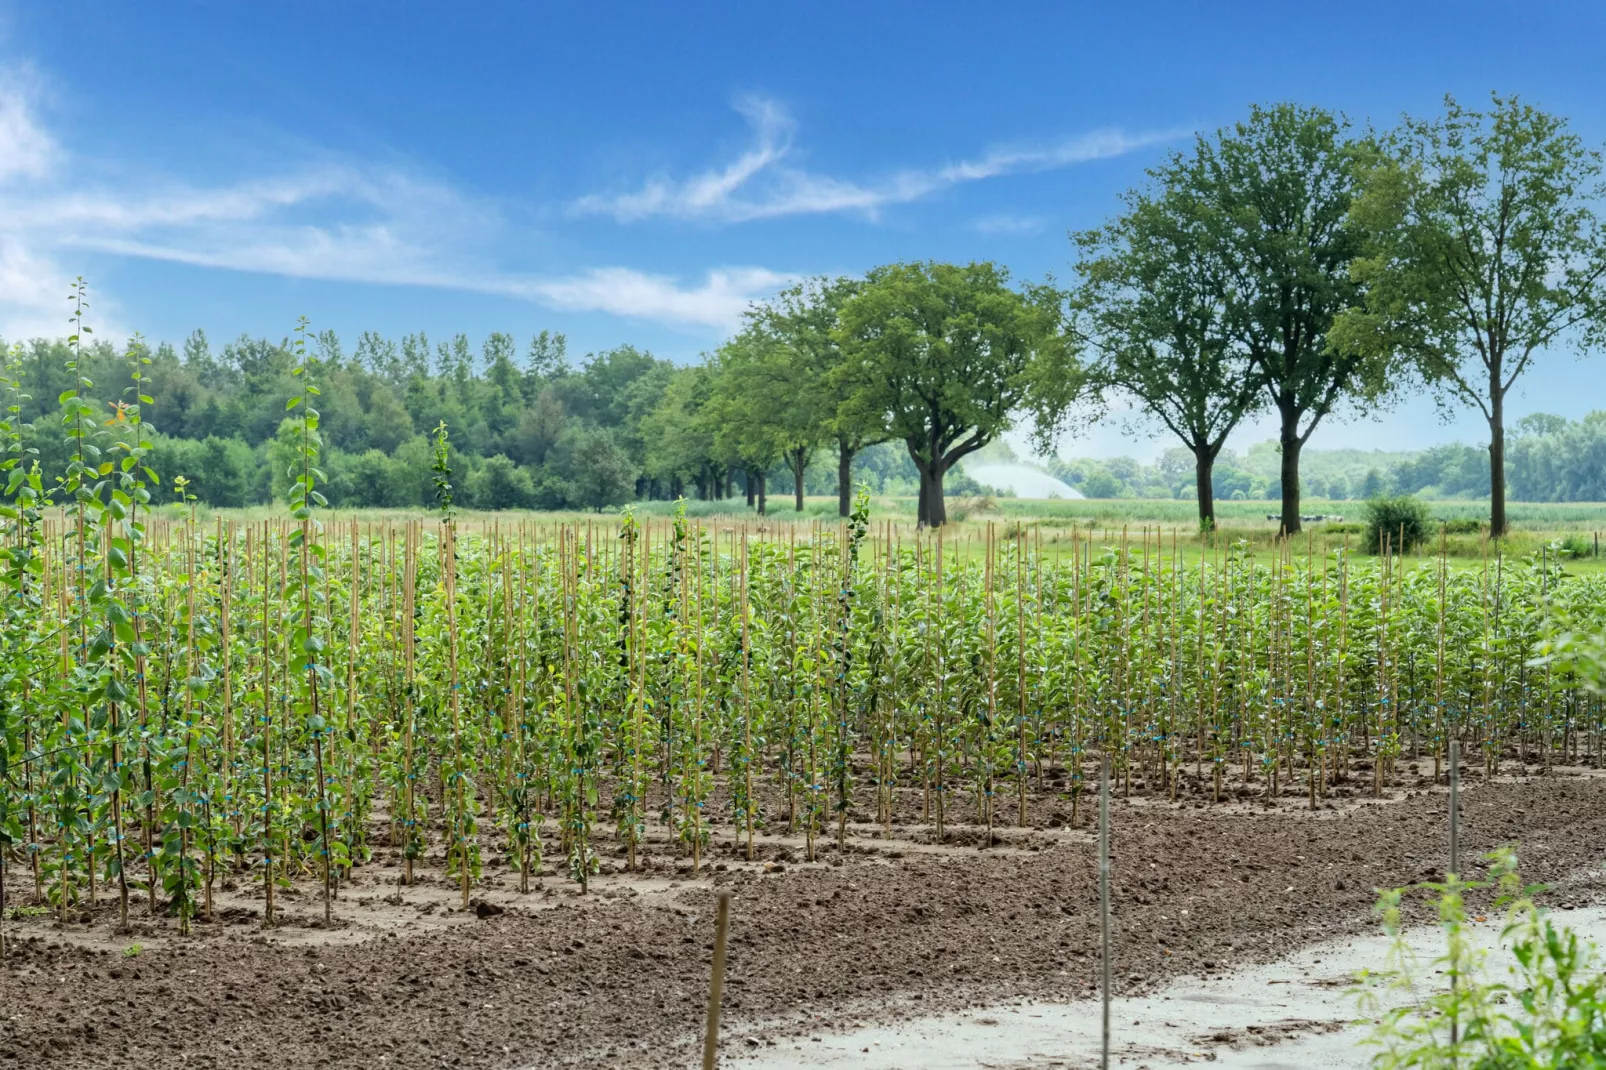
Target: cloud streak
718 301
26 150
335 220
1008 224
761 183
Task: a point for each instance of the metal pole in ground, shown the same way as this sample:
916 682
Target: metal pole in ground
1104 910
717 985
1455 860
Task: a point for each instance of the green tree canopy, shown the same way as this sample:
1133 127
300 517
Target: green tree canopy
600 472
775 387
1275 193
804 318
946 356
1157 305
1483 251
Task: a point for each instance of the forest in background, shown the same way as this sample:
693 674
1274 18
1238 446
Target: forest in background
528 429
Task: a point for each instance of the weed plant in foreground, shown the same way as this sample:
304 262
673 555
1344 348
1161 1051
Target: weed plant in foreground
1547 1011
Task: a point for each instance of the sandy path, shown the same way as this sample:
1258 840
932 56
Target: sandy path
1298 1013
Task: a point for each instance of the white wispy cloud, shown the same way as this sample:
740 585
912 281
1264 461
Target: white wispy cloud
718 301
1010 224
761 183
332 219
25 149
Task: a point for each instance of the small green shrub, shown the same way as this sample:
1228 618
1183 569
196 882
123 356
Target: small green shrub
1573 545
1401 520
1466 525
967 508
1344 527
1548 1013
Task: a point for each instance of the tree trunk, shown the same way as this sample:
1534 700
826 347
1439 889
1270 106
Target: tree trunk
800 464
762 495
750 484
1204 465
936 507
1497 463
932 511
1290 474
844 479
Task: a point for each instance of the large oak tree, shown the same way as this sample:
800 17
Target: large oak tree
946 356
1275 194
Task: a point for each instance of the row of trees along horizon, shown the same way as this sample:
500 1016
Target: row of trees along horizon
1290 263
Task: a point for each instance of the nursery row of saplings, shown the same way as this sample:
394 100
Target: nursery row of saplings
180 701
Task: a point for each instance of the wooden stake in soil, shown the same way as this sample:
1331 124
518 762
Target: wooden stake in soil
1104 913
1455 807
716 986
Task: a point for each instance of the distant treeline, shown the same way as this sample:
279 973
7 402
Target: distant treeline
1548 459
531 430
527 429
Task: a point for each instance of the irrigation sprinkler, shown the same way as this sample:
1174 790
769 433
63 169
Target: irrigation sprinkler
1104 912
717 985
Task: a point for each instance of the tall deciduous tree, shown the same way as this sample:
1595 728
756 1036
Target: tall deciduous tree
774 391
1484 252
751 429
947 356
1156 304
682 435
601 474
804 319
1276 191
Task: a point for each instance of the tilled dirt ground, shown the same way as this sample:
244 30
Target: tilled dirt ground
619 977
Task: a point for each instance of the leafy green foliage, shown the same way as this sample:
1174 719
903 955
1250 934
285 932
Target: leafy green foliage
1157 307
1400 523
1482 251
947 354
1548 1013
1274 193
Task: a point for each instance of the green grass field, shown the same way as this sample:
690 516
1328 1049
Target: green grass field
1537 527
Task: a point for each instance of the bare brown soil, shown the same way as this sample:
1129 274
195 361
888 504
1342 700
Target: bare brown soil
882 927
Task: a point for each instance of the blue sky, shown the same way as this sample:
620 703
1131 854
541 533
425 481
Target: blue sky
639 172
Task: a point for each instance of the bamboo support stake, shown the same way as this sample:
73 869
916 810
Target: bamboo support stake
747 711
716 985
